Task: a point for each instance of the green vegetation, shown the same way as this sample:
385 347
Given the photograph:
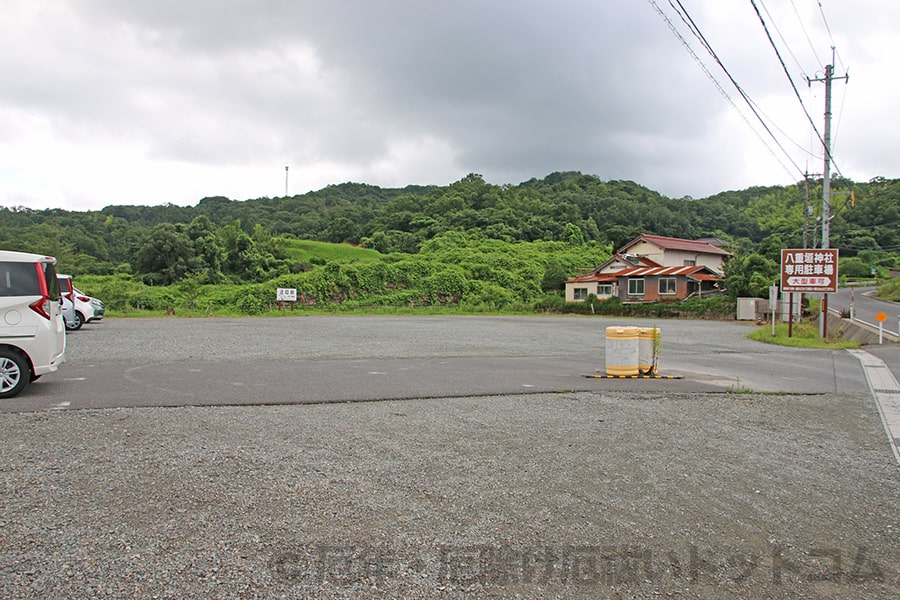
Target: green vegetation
468 246
803 335
890 291
465 271
310 252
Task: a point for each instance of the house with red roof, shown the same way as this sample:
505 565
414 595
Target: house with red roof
654 268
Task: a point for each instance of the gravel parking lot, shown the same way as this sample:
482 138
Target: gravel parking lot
554 495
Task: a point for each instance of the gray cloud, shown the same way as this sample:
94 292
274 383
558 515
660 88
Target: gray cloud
512 90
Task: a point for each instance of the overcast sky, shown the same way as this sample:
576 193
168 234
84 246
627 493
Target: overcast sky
168 101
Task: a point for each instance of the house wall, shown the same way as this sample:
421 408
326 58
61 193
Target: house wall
651 290
677 258
593 287
615 267
643 248
570 290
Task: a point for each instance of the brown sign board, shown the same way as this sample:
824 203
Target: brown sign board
809 270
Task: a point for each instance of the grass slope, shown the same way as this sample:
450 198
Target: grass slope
306 251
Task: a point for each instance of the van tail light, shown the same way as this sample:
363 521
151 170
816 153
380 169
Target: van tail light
83 298
42 307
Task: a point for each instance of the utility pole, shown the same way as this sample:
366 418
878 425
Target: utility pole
826 174
285 181
806 211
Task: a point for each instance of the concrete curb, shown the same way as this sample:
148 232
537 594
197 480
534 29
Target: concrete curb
886 391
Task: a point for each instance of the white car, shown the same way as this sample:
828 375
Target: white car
97 307
77 307
32 333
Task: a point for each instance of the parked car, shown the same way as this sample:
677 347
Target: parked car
80 311
68 310
96 305
32 333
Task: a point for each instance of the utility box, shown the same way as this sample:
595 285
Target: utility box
746 309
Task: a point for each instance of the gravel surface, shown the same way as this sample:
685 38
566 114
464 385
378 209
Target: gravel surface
567 495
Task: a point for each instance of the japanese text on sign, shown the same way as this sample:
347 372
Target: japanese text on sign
286 294
809 270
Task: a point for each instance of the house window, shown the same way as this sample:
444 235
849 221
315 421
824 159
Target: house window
690 263
666 286
580 294
604 289
635 287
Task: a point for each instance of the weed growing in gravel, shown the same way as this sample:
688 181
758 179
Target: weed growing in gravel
738 388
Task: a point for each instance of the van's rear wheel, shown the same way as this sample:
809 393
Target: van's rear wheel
14 373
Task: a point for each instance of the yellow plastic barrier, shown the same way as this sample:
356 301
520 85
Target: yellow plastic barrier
622 351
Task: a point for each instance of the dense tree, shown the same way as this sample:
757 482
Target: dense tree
224 240
166 256
750 275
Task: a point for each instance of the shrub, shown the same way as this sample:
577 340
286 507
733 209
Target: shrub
152 298
254 300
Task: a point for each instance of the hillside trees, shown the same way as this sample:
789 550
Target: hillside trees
221 240
172 252
166 256
750 275
465 269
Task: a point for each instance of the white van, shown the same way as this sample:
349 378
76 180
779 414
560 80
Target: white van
32 332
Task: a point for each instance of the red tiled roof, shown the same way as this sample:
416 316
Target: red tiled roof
670 243
662 271
593 277
697 272
703 277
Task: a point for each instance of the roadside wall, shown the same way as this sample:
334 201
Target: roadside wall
853 330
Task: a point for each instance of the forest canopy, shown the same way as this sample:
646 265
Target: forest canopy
469 241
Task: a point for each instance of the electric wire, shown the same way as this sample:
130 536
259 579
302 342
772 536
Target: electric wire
830 155
721 89
837 125
801 69
828 29
805 33
784 41
695 30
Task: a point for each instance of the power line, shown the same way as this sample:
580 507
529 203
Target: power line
785 69
794 87
685 17
715 81
805 33
784 41
828 29
837 127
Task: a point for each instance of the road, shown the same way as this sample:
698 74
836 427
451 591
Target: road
288 360
865 307
598 493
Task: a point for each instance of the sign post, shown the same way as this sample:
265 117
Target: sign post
773 304
286 296
881 318
811 271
